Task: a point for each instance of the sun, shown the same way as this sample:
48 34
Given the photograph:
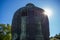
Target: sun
48 12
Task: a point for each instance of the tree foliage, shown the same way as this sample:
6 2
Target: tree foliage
6 33
56 37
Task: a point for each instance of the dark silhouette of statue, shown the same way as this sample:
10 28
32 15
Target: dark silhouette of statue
30 23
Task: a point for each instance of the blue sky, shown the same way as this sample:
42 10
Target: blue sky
8 8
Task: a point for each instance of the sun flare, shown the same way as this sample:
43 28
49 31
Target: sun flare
48 12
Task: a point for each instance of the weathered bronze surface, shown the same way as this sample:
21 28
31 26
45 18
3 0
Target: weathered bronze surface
30 23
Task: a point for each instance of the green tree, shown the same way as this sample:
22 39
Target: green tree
6 33
57 36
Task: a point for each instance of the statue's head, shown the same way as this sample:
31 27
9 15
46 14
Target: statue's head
30 4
